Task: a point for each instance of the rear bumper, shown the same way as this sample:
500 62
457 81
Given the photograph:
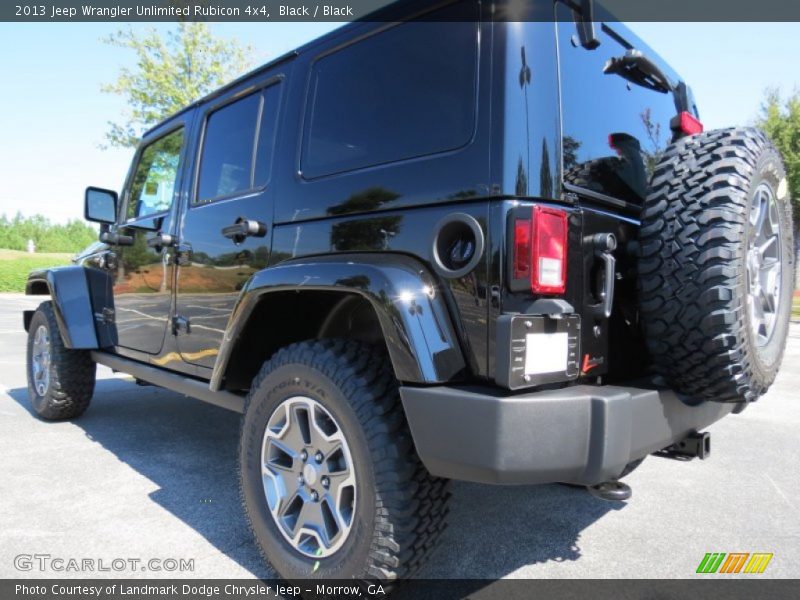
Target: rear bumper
581 434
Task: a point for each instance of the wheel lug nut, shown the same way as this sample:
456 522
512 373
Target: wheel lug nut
315 495
304 455
318 457
326 482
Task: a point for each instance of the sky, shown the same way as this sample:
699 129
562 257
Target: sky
53 116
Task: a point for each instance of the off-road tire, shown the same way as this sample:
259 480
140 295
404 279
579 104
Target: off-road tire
72 372
401 509
692 267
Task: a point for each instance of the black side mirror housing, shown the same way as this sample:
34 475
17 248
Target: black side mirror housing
100 205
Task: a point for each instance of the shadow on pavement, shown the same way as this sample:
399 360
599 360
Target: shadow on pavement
189 450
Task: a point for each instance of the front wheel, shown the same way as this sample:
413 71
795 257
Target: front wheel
60 380
330 479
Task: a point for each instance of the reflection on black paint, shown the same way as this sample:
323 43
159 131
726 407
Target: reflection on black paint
545 173
612 128
361 282
365 234
623 176
521 184
652 156
139 267
142 293
631 169
570 151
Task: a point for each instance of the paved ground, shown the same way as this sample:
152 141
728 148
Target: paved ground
150 474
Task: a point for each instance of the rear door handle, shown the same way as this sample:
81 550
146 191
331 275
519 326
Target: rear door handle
604 244
244 228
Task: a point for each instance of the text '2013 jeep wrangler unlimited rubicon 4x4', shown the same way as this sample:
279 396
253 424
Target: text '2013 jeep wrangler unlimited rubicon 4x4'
431 249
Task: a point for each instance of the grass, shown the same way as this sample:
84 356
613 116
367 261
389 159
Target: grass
796 307
15 266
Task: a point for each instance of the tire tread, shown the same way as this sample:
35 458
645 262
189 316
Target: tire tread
411 505
691 265
72 376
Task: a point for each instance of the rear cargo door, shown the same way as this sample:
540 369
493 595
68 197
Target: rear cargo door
615 126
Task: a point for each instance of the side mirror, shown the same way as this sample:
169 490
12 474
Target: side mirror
100 205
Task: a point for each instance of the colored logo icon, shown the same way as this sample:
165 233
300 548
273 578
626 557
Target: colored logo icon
734 562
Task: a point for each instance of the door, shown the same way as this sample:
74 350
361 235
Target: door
226 231
140 261
616 126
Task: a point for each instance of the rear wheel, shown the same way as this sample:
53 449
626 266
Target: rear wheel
716 270
330 479
60 380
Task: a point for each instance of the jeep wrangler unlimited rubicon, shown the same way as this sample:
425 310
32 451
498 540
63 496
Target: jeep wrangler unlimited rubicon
433 248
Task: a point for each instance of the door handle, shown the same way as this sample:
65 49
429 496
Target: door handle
160 240
604 244
244 228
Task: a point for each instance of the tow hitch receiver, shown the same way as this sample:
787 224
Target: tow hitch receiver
695 445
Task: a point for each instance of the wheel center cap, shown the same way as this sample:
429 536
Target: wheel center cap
310 474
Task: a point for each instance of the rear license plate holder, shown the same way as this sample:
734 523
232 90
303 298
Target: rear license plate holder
537 349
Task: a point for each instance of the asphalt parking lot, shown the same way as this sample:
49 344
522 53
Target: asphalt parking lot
150 474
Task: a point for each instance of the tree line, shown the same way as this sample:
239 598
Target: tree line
48 237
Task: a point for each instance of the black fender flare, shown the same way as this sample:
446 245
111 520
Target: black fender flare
411 309
81 300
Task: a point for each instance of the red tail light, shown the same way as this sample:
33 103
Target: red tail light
549 256
540 250
687 124
522 249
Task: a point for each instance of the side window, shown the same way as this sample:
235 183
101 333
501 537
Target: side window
405 92
153 185
238 145
615 127
265 147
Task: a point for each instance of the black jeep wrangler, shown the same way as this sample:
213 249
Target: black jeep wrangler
433 248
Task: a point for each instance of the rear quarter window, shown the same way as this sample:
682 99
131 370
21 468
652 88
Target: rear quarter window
238 146
405 92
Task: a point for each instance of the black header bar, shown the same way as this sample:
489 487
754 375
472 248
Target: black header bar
253 11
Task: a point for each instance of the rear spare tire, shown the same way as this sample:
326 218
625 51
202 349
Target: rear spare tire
716 268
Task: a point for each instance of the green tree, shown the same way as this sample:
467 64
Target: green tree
48 237
171 72
781 121
652 155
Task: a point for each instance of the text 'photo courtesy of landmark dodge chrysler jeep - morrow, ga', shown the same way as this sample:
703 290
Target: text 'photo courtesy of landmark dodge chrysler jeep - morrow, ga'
417 250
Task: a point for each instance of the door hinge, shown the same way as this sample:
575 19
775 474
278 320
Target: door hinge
179 324
105 316
183 255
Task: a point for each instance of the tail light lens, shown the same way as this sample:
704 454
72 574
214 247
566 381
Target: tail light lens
540 250
549 251
522 249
